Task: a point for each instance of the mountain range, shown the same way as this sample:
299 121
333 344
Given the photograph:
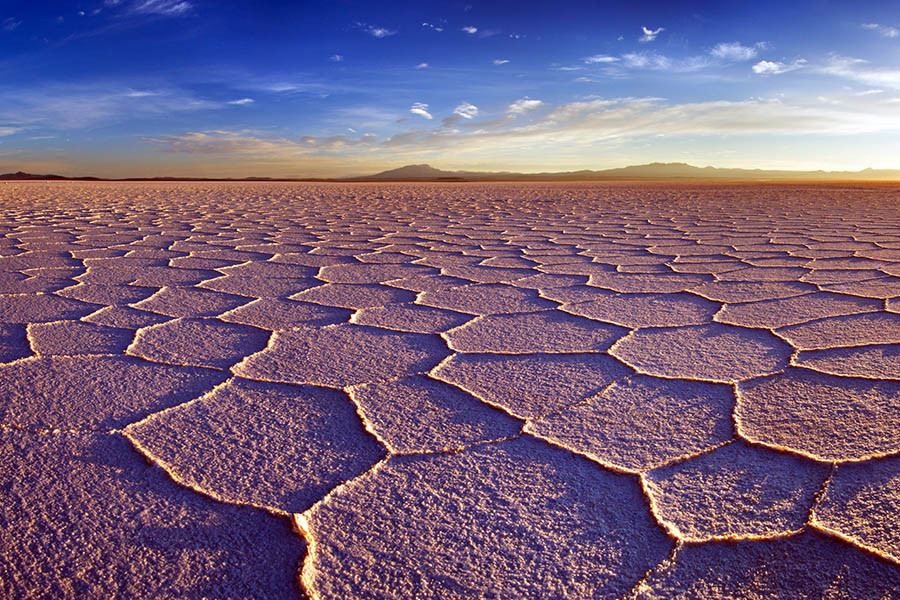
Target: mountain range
423 172
648 171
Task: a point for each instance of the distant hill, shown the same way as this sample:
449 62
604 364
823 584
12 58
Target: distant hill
22 176
652 171
648 171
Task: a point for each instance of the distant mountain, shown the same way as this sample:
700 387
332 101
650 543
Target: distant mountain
22 176
412 172
659 171
648 171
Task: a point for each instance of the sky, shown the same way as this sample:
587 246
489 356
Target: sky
235 88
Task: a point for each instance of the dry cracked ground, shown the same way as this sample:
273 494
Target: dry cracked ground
449 391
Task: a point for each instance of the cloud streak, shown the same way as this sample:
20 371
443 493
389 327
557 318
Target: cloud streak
769 67
883 30
600 59
857 69
587 128
69 107
168 8
734 51
523 105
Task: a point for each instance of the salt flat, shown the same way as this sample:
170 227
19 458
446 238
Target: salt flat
281 390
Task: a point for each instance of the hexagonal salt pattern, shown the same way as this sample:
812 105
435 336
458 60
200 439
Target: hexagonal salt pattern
429 390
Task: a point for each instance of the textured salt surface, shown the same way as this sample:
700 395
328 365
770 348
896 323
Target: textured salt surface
414 391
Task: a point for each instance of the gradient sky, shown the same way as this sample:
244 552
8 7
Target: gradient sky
238 88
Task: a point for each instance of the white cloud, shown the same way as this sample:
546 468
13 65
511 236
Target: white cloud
653 61
379 32
141 93
585 128
524 105
240 101
590 124
336 57
884 30
470 29
857 69
501 61
422 65
253 145
768 67
600 58
9 130
646 60
10 24
650 34
466 110
421 109
77 106
734 51
167 8
433 27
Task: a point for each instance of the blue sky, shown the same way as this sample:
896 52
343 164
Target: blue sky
239 88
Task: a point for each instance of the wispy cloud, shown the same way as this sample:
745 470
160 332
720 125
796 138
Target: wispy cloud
9 24
421 109
241 101
167 8
884 30
769 67
600 59
734 51
290 87
599 121
650 34
141 93
252 144
501 61
582 127
524 105
4 131
224 142
470 29
654 61
336 58
376 31
466 110
422 65
858 69
74 107
433 27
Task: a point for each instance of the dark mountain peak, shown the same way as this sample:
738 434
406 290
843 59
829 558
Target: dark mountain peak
23 176
412 172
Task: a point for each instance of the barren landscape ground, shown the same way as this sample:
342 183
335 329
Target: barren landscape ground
239 390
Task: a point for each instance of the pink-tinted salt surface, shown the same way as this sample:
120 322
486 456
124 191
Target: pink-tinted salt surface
273 390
